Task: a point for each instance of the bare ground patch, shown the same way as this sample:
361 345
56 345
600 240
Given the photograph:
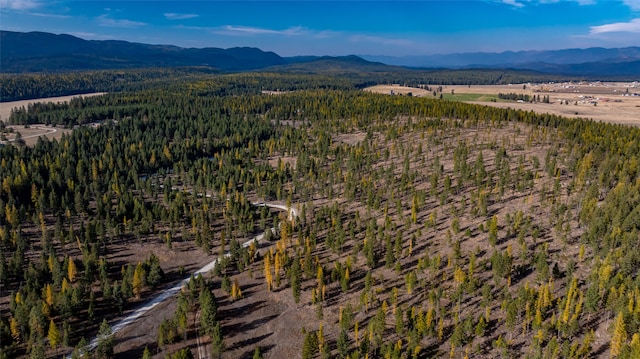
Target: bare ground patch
31 133
615 102
350 138
6 107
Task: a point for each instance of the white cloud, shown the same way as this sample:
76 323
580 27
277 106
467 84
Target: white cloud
53 16
19 4
633 4
175 16
105 20
249 31
513 3
631 26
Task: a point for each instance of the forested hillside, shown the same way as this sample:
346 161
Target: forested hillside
328 73
426 228
46 52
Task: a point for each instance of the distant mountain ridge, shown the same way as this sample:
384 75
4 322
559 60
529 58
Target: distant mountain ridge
513 58
40 51
46 52
595 61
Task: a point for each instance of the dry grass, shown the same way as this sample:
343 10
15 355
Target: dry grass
605 102
31 133
6 107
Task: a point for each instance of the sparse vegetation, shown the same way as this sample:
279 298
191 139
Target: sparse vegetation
426 227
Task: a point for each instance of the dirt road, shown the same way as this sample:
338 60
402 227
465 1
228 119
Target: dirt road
172 291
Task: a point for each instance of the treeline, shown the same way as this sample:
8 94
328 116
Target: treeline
417 77
206 81
514 96
15 87
199 80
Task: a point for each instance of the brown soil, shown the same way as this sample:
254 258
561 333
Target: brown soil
273 322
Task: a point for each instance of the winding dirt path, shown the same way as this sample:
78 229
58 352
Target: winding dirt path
172 291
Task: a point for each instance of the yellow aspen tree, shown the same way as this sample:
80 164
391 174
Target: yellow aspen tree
320 339
571 293
48 294
284 232
618 337
267 271
14 328
428 320
53 335
276 263
459 276
137 281
50 262
355 333
236 292
72 270
65 285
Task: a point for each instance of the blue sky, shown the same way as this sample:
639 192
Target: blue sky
289 28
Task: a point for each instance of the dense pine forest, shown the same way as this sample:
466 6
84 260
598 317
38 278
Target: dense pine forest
426 228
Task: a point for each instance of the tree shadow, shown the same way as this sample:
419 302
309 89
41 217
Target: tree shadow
249 353
239 327
250 342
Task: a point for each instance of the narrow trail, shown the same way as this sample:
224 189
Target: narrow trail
49 130
172 291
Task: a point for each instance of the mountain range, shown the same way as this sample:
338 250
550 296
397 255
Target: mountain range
40 51
46 52
514 58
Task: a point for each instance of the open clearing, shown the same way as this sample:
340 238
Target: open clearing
31 133
6 107
613 102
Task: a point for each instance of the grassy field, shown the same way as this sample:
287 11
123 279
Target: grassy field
617 102
472 97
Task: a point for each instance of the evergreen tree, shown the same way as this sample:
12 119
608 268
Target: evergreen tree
104 348
217 342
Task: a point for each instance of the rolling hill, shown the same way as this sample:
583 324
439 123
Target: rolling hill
45 52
